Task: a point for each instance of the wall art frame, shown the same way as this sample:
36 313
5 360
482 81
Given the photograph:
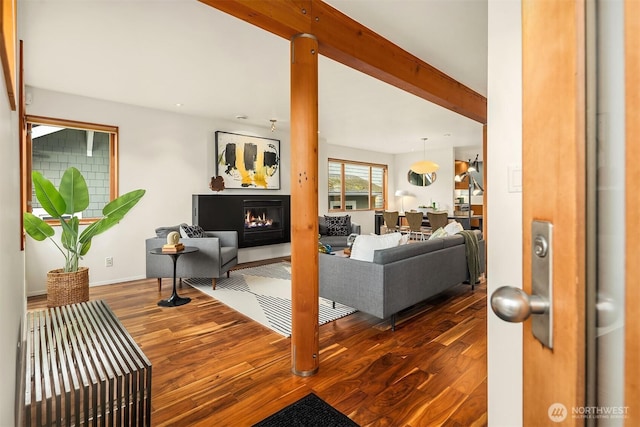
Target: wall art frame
248 162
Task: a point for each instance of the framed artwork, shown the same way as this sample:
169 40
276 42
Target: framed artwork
245 161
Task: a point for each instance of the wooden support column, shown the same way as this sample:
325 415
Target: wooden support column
304 204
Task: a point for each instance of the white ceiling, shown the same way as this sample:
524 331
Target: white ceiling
159 53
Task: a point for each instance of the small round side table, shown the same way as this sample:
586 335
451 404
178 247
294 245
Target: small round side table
175 299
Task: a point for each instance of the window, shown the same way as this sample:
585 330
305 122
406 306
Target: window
53 145
356 185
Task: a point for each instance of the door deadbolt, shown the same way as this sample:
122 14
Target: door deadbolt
540 246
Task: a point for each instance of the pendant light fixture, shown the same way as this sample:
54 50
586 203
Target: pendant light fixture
424 166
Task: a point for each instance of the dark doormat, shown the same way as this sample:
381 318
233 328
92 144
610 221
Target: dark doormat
310 411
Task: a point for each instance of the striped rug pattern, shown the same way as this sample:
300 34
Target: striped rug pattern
263 294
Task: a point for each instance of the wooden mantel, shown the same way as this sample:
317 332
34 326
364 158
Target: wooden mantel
354 45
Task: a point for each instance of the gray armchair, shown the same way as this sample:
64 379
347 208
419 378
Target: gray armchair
336 242
218 252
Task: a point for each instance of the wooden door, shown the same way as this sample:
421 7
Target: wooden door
554 182
553 154
632 202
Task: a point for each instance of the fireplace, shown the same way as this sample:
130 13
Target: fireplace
262 220
258 219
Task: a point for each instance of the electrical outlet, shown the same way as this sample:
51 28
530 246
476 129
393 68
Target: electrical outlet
108 261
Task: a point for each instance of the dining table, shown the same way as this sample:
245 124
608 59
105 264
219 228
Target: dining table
464 220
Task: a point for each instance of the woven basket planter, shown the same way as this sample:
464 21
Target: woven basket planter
67 288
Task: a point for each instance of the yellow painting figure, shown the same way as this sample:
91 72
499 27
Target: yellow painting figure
258 177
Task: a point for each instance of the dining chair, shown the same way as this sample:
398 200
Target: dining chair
438 219
415 225
391 221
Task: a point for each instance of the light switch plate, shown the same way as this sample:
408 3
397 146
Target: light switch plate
514 178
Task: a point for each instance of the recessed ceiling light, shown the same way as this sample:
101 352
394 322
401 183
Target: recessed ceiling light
241 117
447 134
178 105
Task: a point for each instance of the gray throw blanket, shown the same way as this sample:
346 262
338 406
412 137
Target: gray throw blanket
473 256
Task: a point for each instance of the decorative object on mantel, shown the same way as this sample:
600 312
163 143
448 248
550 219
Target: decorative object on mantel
424 166
217 183
248 161
70 284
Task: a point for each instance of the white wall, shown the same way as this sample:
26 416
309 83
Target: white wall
504 208
12 291
170 155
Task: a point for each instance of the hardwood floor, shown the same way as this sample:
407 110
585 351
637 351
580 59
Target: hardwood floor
213 366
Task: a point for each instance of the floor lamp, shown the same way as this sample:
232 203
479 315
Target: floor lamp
402 194
474 187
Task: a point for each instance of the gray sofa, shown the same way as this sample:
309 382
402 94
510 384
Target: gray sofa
218 252
336 242
399 277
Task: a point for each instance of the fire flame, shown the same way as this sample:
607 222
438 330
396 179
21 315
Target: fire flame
251 221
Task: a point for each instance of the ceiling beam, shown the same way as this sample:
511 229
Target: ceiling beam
354 45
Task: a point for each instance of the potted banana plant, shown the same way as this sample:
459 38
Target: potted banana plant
70 284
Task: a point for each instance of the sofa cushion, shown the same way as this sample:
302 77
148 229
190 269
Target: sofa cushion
365 245
338 225
336 242
192 231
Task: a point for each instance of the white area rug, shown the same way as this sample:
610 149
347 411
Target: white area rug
263 293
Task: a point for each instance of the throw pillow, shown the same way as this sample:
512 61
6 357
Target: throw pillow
404 240
338 225
453 228
364 245
438 234
193 231
164 231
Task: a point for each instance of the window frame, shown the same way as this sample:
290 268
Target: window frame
27 164
343 200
